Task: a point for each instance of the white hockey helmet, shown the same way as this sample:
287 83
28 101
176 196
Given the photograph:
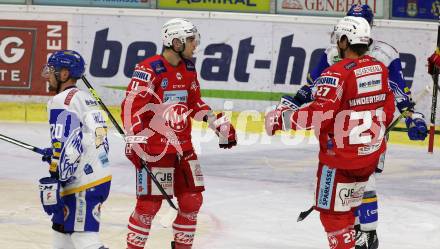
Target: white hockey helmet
178 28
356 29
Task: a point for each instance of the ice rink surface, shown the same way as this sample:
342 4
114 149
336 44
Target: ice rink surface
254 195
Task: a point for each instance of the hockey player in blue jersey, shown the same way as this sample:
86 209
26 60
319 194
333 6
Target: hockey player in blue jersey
80 177
367 216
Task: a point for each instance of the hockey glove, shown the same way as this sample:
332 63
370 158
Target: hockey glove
132 155
405 105
274 120
417 129
303 96
47 155
224 130
50 195
434 62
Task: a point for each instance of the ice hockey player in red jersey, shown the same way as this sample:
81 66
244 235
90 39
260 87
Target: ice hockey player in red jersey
352 107
161 99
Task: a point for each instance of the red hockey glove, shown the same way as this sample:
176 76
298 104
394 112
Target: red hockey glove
134 148
224 130
434 62
274 119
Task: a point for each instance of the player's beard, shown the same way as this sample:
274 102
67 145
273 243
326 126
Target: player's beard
52 88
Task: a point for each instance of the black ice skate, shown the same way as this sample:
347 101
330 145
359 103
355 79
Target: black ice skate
366 239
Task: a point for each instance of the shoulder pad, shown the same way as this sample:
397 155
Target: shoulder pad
383 52
189 65
158 66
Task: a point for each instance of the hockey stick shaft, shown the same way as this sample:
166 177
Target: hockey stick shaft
434 99
121 131
21 144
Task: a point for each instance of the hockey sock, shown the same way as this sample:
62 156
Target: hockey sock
139 223
342 239
367 212
184 226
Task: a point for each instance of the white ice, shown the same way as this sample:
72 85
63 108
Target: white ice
254 194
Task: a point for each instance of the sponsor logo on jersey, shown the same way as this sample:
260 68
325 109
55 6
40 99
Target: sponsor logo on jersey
96 212
164 83
175 96
369 83
350 65
194 85
367 100
158 67
326 187
190 65
141 75
165 176
179 76
369 149
91 102
88 169
349 195
141 182
179 86
327 80
367 70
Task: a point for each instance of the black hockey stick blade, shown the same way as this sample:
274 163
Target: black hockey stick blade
304 214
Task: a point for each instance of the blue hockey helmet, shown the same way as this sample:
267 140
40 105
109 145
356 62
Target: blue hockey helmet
362 10
69 59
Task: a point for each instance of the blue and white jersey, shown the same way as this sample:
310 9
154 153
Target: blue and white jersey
379 50
79 141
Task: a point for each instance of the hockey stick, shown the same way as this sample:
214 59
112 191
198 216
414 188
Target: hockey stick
434 99
21 144
118 127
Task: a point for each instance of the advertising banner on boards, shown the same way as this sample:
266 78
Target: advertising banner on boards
326 8
413 9
245 60
97 3
24 47
257 6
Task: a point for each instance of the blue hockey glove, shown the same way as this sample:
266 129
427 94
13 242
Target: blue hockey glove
289 102
405 105
50 195
304 95
47 155
417 129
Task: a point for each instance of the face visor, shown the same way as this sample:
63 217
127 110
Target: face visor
194 34
47 71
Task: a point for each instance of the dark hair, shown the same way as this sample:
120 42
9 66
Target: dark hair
359 49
